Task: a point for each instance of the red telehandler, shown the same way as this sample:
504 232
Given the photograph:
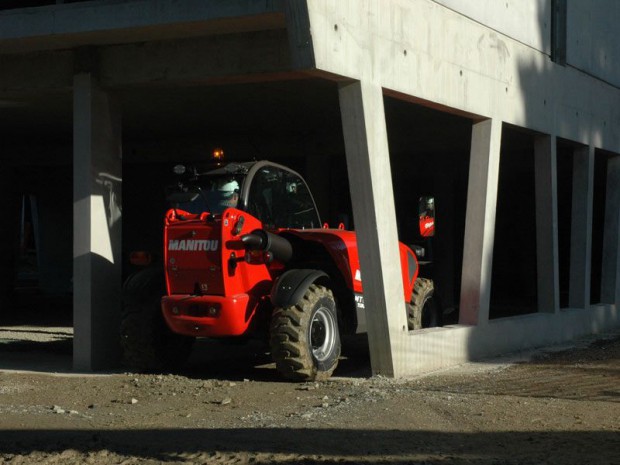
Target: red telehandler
245 254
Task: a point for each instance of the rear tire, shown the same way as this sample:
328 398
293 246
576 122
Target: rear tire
423 311
147 342
305 342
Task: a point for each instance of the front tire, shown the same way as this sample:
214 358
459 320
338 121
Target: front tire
305 342
423 311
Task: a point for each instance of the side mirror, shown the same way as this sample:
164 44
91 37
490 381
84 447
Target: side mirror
426 216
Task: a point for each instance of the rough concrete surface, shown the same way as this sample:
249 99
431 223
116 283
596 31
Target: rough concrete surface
556 406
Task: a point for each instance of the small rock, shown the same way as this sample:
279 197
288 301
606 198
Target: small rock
92 406
57 409
226 401
324 405
325 397
134 401
73 412
231 384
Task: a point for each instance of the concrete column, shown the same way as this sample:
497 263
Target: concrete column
480 222
96 226
547 255
368 163
581 228
610 278
9 241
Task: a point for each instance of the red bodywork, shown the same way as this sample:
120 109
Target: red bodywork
215 290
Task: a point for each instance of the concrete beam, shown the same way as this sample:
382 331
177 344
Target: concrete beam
96 226
253 56
581 228
78 24
480 222
370 179
547 255
610 278
36 71
227 58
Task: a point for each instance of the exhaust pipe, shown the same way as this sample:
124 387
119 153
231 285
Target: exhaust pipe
259 239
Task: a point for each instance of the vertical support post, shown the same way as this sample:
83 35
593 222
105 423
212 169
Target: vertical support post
96 226
370 178
610 278
480 222
581 228
547 255
9 240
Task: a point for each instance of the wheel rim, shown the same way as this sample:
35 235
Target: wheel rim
322 334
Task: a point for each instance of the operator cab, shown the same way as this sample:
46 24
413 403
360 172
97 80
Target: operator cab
274 194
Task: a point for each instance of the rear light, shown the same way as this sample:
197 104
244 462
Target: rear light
140 258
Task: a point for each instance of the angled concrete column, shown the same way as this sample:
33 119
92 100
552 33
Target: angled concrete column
581 228
545 167
368 162
610 278
480 222
96 226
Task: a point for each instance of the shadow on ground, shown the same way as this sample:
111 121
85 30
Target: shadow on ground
305 446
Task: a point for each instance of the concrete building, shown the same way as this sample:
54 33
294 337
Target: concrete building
507 112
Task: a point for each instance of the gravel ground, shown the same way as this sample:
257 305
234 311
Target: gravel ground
559 406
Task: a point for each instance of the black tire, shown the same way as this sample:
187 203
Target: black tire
423 311
305 342
147 342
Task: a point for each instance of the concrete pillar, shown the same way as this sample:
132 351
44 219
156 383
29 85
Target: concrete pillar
9 241
96 226
610 278
480 222
370 178
547 255
581 228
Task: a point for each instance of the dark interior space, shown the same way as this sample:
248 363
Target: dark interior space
513 285
601 158
429 156
565 161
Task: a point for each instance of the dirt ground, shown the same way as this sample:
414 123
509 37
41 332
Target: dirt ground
559 406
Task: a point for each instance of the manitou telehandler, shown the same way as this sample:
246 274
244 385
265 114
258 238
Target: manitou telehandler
246 254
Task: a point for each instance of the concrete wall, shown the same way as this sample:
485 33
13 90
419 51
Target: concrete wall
422 49
527 21
598 51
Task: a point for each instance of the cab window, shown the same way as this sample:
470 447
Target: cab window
281 199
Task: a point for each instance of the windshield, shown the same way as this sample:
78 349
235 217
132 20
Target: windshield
211 193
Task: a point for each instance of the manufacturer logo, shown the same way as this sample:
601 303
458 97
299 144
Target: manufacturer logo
194 245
